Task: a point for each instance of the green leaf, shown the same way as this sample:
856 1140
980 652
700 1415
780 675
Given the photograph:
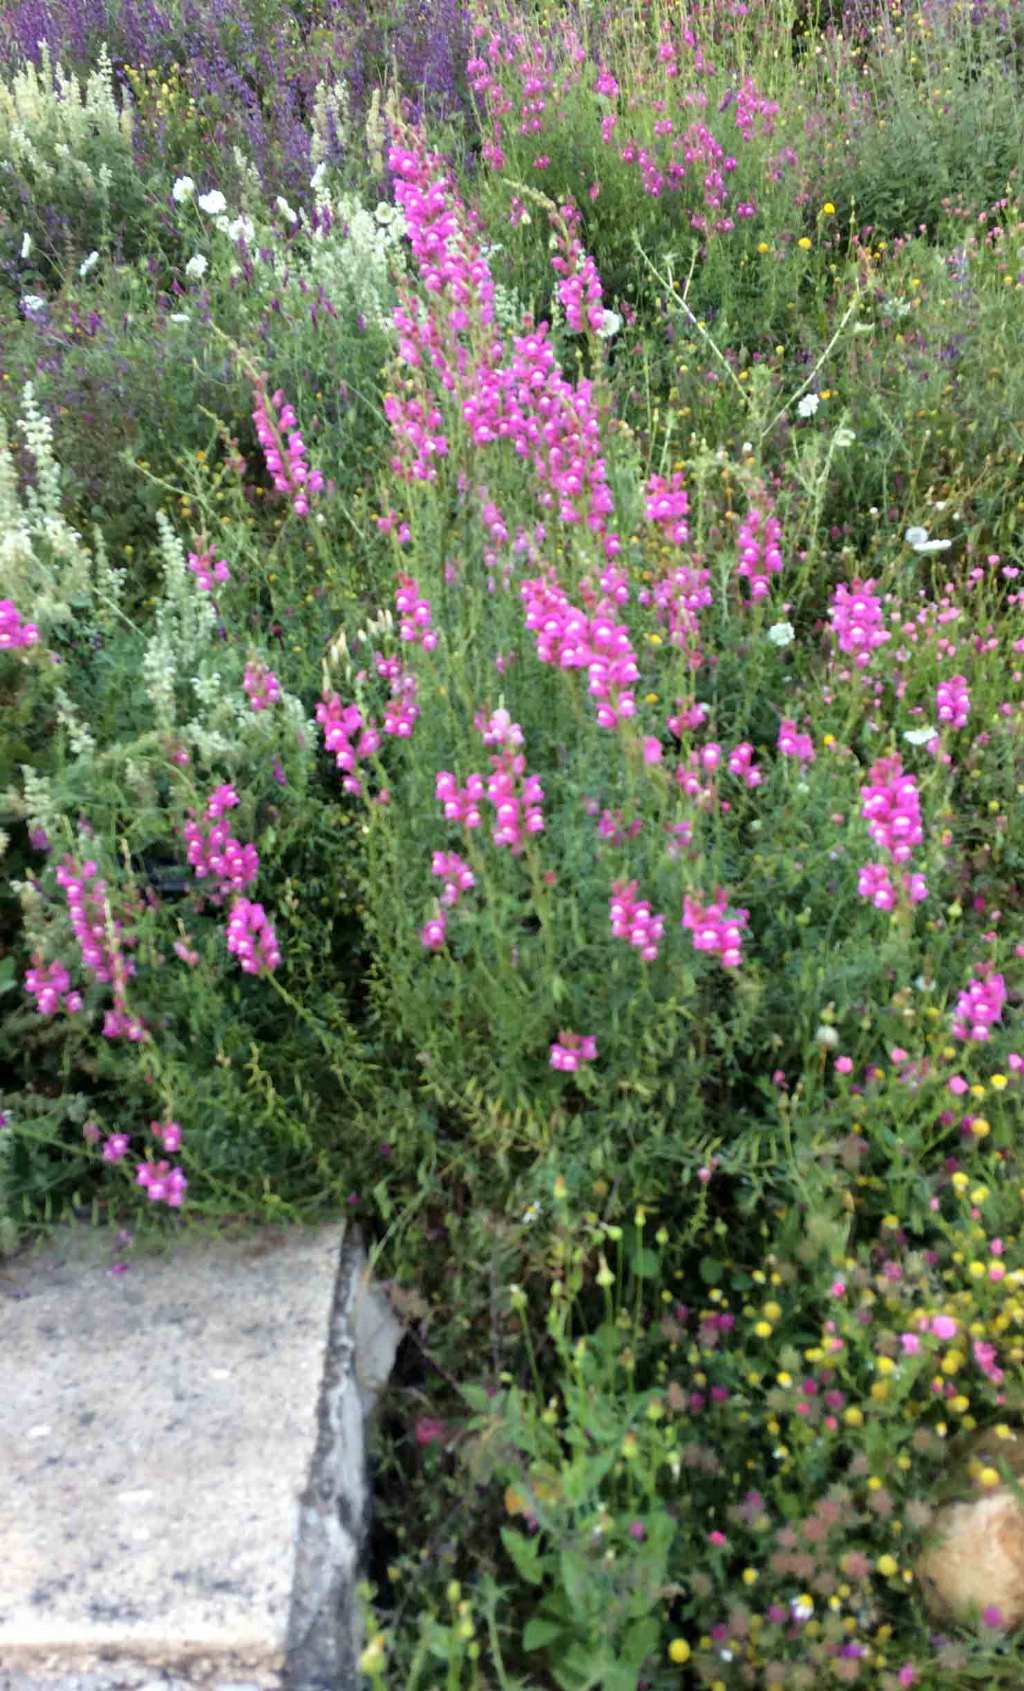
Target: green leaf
539 1632
524 1552
710 1270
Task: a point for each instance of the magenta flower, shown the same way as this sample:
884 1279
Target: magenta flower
857 621
14 631
347 737
760 555
979 1008
715 928
414 614
792 743
251 938
207 571
632 920
115 1147
953 702
569 1050
261 686
284 450
163 1184
167 1133
434 933
50 985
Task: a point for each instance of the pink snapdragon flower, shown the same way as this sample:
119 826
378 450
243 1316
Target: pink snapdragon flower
414 614
668 505
14 630
741 763
979 1007
953 702
632 920
251 937
260 685
50 986
347 737
792 743
857 620
716 928
892 809
517 799
434 933
456 874
163 1184
284 450
215 853
760 555
207 571
569 1050
167 1133
460 804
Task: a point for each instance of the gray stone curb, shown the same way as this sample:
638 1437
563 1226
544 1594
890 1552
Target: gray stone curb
183 1491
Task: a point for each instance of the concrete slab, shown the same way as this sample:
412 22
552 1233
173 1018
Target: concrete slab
161 1439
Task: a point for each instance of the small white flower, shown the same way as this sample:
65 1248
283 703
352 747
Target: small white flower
844 436
26 244
802 1608
916 536
88 263
285 209
318 175
197 266
179 317
183 189
927 546
212 202
782 634
531 1212
827 1035
610 326
920 736
32 302
808 405
238 229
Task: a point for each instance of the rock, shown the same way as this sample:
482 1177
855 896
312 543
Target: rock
185 1496
975 1559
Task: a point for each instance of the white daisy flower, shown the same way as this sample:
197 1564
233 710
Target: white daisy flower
212 202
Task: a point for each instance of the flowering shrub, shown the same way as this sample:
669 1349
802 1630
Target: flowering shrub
512 683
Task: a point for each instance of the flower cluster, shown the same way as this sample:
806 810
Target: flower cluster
50 986
456 874
348 737
215 853
569 1050
580 286
14 630
284 450
668 506
598 643
857 620
953 702
716 928
260 685
414 614
632 920
162 1183
793 743
516 798
206 570
251 937
760 555
892 810
979 1007
101 940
